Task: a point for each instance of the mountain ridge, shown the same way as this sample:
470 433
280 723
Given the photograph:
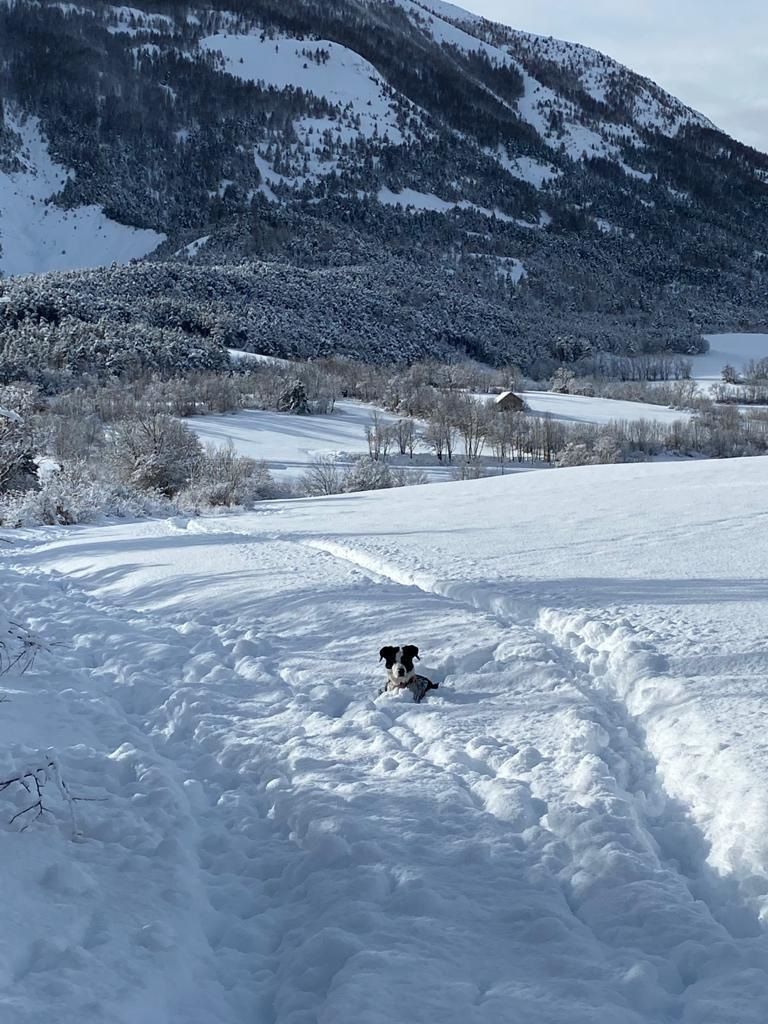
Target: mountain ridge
537 177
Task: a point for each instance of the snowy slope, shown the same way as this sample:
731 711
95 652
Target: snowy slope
371 108
579 409
36 236
366 106
573 829
650 106
341 76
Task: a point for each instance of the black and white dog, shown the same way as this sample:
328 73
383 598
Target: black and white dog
401 674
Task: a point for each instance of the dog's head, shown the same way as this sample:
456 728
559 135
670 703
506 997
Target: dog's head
399 662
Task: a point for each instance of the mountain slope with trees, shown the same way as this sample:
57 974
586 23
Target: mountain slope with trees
385 179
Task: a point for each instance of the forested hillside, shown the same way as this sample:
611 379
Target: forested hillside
388 179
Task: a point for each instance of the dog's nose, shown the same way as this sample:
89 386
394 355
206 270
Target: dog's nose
400 671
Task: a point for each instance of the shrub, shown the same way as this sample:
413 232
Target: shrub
78 493
222 478
322 477
18 646
365 474
153 451
468 471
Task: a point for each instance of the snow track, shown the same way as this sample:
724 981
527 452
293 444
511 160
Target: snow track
556 835
655 890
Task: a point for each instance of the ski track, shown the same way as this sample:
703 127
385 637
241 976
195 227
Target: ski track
629 689
288 840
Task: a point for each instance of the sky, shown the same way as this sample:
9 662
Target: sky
712 56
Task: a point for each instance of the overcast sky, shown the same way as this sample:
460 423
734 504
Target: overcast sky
711 55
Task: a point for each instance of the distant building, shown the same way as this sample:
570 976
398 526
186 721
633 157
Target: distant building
508 401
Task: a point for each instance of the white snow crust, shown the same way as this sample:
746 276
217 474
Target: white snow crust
573 828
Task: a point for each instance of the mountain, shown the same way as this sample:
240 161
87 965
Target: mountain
389 180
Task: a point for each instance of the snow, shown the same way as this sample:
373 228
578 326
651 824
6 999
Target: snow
237 355
143 21
289 444
580 409
645 176
728 349
571 830
193 248
440 26
346 79
510 268
37 236
527 169
411 200
446 10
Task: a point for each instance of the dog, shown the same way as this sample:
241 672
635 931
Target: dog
401 674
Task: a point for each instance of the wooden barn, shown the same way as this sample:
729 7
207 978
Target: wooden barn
508 401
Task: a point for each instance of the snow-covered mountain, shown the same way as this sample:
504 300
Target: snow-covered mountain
509 169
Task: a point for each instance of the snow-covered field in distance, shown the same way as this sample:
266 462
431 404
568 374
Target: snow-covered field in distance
573 829
579 409
288 443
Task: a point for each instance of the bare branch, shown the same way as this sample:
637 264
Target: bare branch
33 781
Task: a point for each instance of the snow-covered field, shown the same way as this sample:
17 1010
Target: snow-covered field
573 829
578 409
289 444
37 237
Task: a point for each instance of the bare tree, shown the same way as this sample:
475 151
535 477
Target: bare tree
224 478
434 438
440 432
405 435
379 436
473 425
322 477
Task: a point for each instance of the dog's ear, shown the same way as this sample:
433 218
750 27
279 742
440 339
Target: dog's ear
385 652
411 651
